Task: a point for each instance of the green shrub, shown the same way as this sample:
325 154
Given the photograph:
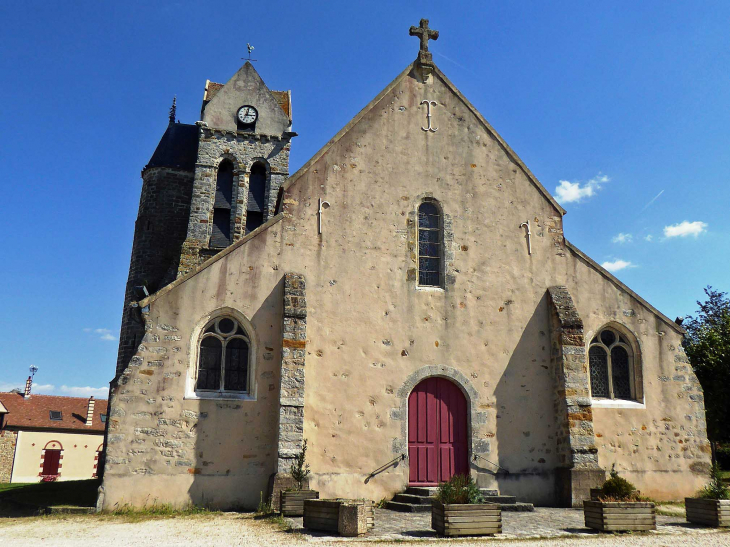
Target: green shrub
715 489
300 469
459 489
617 488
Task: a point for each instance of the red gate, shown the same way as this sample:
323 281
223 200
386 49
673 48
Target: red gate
437 432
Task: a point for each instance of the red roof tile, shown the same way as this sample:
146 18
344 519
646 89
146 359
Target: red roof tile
34 413
282 97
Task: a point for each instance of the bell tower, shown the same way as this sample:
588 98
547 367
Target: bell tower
206 186
242 161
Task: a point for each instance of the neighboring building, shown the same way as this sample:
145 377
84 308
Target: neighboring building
45 436
417 271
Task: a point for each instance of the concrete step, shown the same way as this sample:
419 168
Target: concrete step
410 498
431 491
519 506
421 490
503 500
407 507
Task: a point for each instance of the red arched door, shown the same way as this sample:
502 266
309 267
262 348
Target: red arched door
437 432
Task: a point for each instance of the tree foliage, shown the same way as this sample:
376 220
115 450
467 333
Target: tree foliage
299 468
708 348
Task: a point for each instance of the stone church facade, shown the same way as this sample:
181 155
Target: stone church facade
406 301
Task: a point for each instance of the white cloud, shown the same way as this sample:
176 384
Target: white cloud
617 265
685 229
104 334
569 192
50 389
86 391
623 238
649 237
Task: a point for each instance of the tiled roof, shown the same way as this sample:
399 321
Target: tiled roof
282 97
34 413
284 100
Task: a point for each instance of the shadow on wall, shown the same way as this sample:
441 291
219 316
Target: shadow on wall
236 444
526 416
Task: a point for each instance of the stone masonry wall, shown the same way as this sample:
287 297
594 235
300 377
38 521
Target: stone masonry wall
159 232
243 149
575 439
291 395
8 440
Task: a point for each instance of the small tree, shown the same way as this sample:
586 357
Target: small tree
300 469
708 348
715 489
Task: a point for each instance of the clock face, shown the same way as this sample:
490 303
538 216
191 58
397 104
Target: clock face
247 114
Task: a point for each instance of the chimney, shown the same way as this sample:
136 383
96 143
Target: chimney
28 384
90 412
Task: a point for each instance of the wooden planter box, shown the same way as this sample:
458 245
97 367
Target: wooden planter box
324 515
466 519
619 516
292 501
708 512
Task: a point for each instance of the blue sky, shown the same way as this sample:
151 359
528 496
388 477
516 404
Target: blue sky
620 109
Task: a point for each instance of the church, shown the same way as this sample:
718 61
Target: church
407 302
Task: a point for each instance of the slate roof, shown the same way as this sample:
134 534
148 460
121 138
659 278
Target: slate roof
34 413
178 148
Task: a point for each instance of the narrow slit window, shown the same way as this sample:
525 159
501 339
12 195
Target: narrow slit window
430 243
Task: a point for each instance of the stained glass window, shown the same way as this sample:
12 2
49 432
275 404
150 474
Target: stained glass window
599 371
611 366
429 245
620 372
223 360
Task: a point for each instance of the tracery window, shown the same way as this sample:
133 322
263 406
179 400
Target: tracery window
223 357
430 244
611 363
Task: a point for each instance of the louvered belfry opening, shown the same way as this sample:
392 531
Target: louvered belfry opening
221 235
256 197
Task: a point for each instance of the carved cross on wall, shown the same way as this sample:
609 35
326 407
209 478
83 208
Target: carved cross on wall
424 34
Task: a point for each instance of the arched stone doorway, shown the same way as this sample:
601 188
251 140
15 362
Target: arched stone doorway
438 432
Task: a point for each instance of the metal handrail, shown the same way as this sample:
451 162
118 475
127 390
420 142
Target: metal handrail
399 458
475 456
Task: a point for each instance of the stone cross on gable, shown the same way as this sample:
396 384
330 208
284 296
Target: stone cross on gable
424 34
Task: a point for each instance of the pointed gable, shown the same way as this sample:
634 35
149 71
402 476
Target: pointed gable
246 88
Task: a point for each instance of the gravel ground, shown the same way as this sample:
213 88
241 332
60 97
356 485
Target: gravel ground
233 529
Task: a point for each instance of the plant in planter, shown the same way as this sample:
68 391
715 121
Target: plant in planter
712 504
619 507
292 499
459 510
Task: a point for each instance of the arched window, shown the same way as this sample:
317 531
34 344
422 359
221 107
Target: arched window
611 361
223 357
221 235
256 195
430 243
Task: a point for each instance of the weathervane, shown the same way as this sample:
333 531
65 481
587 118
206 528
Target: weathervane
250 48
33 370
